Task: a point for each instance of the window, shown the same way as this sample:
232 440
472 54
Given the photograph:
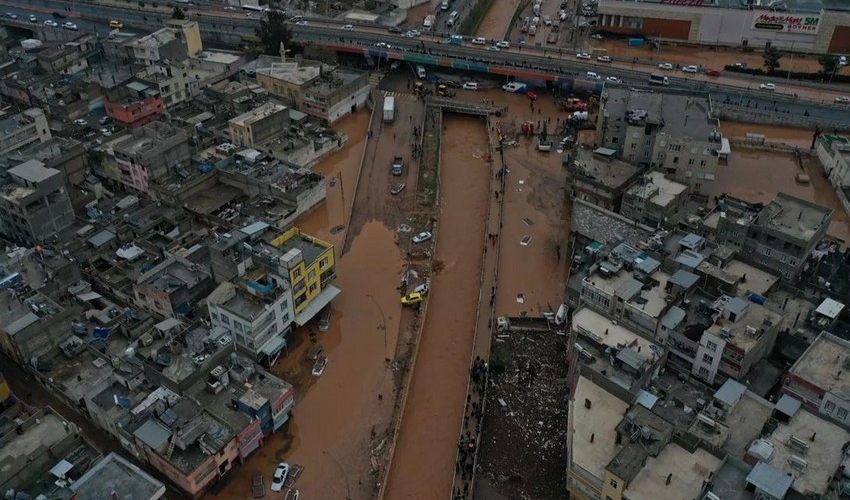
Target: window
237 326
633 146
706 358
702 163
614 484
711 346
703 372
313 288
792 262
296 273
225 319
829 407
782 258
214 316
323 263
311 275
691 161
842 413
675 159
767 252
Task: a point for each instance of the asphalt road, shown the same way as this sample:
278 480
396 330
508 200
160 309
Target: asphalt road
45 14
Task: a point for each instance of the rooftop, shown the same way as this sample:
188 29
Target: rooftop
656 188
745 421
114 474
331 82
156 39
311 248
257 114
237 297
603 169
33 171
689 470
826 363
681 116
795 217
597 224
40 432
748 328
174 274
755 280
21 307
603 331
296 73
603 416
824 455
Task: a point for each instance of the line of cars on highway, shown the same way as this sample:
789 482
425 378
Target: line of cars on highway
68 25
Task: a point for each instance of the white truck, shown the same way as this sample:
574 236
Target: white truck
389 109
428 23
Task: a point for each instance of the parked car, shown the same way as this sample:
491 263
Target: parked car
690 69
325 319
81 122
613 79
422 237
70 26
742 64
11 15
347 27
33 19
479 41
712 72
106 132
504 44
470 86
583 55
280 476
767 86
301 23
51 23
596 36
319 366
604 59
592 75
842 100
412 298
422 289
665 66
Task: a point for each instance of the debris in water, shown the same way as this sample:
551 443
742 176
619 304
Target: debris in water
525 240
520 298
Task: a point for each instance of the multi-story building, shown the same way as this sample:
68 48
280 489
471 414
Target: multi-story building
145 155
134 104
172 287
655 200
820 378
23 129
176 42
312 269
286 80
114 471
670 132
779 236
834 154
170 80
35 204
257 309
258 126
67 58
598 177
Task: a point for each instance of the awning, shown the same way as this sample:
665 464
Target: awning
167 324
317 304
273 346
59 470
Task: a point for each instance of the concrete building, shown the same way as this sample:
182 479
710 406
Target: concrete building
170 80
816 27
821 378
173 287
779 236
114 475
23 129
673 133
655 200
833 151
258 126
66 155
148 154
286 80
68 58
176 42
600 178
34 204
257 309
312 269
134 104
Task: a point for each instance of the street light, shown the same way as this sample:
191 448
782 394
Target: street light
341 469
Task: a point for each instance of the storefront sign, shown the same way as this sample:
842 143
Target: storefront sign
684 3
788 23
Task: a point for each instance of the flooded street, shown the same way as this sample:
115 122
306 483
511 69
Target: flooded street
426 446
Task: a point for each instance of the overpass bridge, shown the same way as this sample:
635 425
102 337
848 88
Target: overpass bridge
464 107
38 30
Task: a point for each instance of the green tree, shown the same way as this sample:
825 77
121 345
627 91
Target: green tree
828 63
273 32
178 13
771 59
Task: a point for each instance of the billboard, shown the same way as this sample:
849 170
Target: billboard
786 23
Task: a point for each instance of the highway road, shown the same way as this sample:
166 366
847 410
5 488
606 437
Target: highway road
45 14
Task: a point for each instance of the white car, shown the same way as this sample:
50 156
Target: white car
592 75
422 237
414 33
690 69
842 60
301 23
604 58
348 27
470 86
11 16
596 36
504 44
105 132
280 476
70 26
80 122
479 41
613 79
842 100
383 45
497 49
33 19
583 55
665 66
51 23
767 86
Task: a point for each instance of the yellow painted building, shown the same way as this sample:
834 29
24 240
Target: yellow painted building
312 269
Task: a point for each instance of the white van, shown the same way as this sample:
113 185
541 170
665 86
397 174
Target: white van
452 19
420 72
444 5
592 75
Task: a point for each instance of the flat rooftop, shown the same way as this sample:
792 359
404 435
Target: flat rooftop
338 78
680 116
657 189
757 281
174 275
825 363
602 330
795 217
689 471
290 72
257 114
35 439
311 248
115 474
745 421
605 413
740 332
596 223
823 457
85 372
233 298
611 173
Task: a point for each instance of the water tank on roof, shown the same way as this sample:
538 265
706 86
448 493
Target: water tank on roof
761 449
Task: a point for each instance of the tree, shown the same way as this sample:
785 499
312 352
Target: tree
273 32
771 59
828 63
178 13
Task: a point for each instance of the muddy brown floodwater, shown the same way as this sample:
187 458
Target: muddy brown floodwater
425 450
331 424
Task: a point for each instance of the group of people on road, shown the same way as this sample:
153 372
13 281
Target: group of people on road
468 444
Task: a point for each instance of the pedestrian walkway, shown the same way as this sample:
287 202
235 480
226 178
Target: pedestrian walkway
473 413
402 96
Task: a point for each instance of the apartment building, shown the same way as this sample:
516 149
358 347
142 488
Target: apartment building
176 42
833 151
820 378
259 126
778 236
172 287
23 129
600 178
34 204
147 154
134 104
673 133
655 200
286 80
170 80
312 269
